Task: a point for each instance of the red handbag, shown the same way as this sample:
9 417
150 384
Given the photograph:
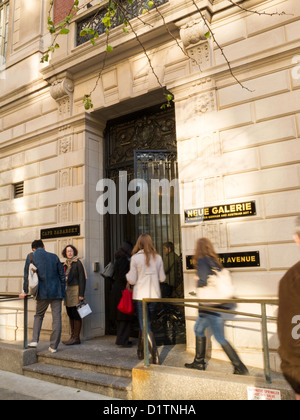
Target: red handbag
126 304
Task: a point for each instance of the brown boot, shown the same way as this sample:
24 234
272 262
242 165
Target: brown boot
75 338
71 339
77 329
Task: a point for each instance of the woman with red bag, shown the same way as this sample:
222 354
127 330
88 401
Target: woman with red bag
121 268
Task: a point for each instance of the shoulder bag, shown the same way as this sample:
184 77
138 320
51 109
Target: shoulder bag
219 286
33 279
108 271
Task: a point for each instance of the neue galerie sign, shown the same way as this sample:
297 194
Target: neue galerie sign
224 211
60 232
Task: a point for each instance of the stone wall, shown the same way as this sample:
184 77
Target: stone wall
236 144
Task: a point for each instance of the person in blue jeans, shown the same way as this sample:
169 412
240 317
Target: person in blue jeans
207 263
145 275
51 291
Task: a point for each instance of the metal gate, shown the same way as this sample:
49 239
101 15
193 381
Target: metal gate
151 178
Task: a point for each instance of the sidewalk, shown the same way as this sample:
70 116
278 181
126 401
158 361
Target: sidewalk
17 387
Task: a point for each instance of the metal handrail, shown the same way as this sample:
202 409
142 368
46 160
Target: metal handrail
188 303
10 297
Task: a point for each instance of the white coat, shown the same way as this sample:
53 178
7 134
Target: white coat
146 280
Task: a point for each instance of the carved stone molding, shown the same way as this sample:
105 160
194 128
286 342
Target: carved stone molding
62 91
193 32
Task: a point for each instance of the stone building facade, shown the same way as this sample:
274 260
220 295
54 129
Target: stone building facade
234 145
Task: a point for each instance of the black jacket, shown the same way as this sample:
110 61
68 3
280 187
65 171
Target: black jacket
205 268
122 266
77 276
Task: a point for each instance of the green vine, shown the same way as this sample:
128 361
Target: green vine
117 14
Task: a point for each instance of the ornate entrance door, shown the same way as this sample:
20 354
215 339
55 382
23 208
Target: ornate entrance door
141 151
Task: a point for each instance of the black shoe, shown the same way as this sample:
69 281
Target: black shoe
195 365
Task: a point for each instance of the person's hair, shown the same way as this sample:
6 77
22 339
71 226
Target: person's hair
37 244
124 251
297 226
169 245
64 253
204 248
145 243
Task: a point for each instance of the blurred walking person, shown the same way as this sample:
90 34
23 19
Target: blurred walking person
207 263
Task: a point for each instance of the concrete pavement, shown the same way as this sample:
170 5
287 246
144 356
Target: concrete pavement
19 387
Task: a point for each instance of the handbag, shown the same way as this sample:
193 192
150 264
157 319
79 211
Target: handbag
108 271
33 279
126 304
83 309
219 286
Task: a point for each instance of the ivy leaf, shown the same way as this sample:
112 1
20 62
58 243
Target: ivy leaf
45 58
109 48
64 31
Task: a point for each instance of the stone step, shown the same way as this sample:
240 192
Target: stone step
105 384
75 362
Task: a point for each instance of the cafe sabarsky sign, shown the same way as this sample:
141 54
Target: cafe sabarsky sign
60 232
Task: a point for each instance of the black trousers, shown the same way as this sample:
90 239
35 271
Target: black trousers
73 314
123 332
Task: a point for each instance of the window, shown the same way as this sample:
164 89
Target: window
94 21
4 15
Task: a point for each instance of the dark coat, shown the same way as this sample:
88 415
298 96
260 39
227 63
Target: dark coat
289 326
205 268
51 275
122 266
77 276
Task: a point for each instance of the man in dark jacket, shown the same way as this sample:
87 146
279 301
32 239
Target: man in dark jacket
289 322
51 291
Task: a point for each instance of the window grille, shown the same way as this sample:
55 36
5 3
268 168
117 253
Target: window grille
94 21
19 190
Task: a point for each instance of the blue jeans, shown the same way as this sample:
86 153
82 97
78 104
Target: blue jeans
139 313
215 323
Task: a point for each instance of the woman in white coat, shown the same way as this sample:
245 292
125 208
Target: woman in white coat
146 273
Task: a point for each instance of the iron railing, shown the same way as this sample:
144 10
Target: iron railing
124 12
194 303
9 297
190 303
